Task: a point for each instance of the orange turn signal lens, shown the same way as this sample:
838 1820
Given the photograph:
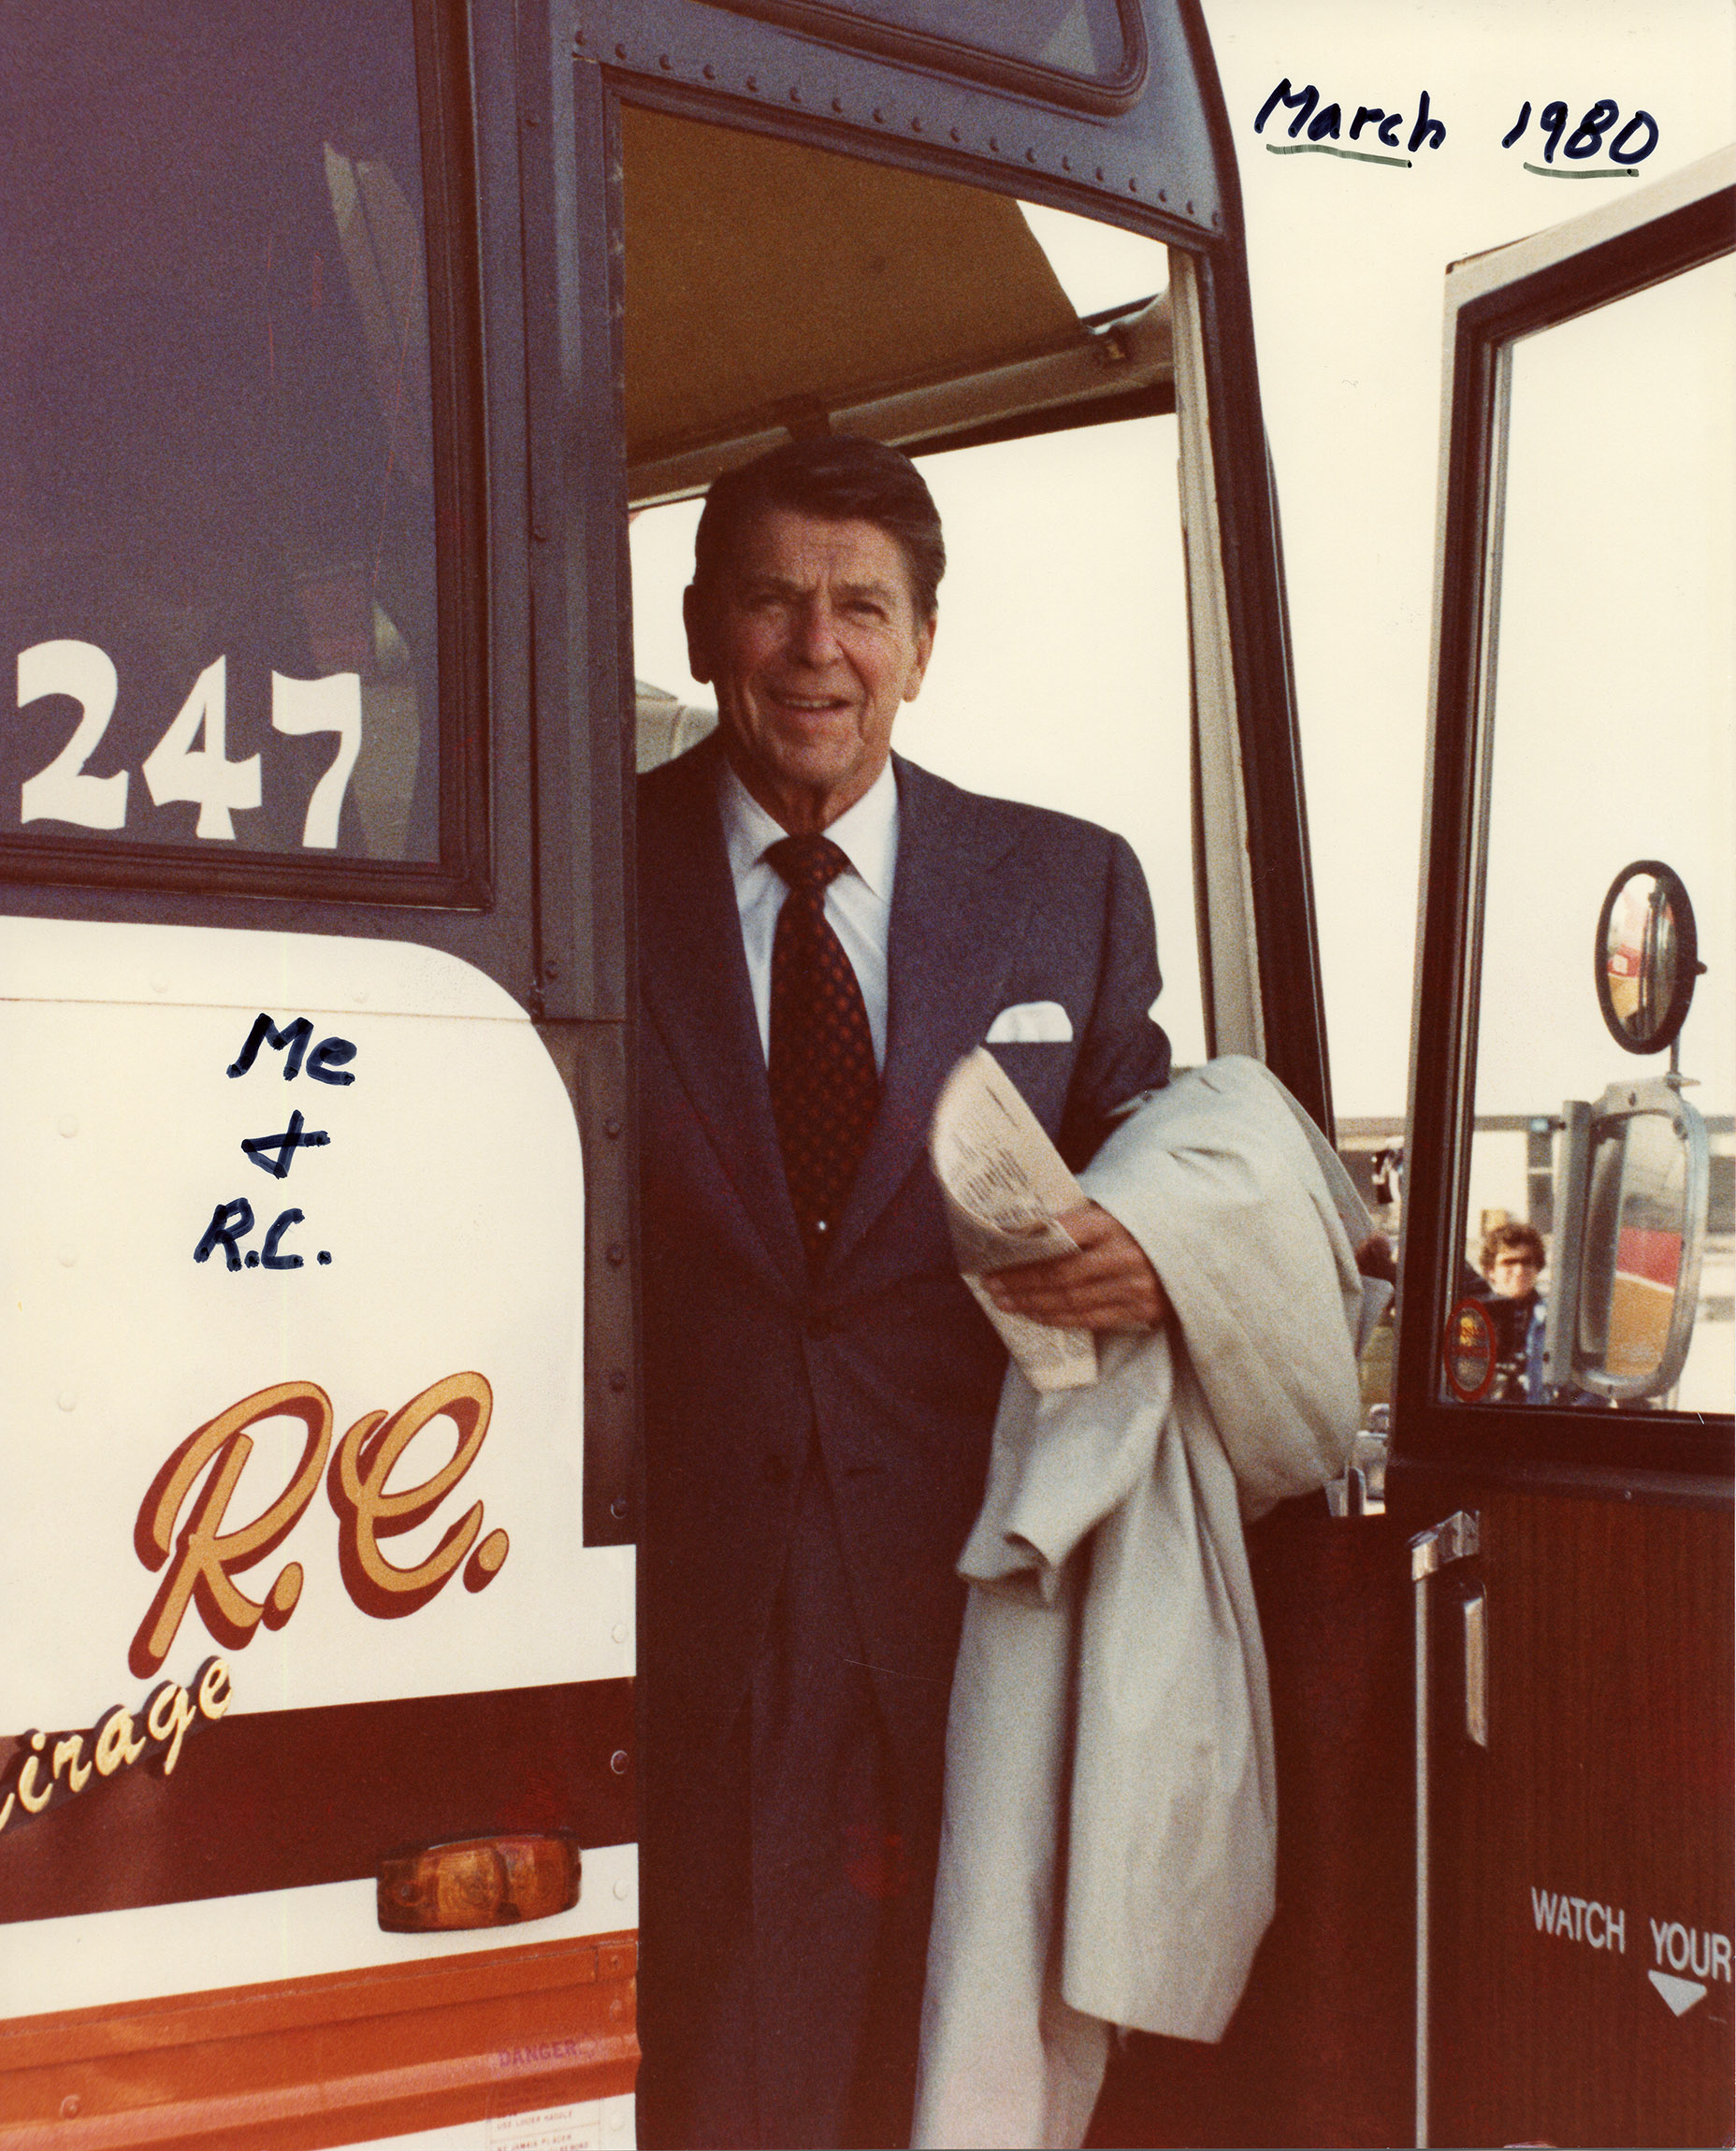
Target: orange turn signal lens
478 1881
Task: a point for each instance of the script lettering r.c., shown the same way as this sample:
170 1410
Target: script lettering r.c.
203 1559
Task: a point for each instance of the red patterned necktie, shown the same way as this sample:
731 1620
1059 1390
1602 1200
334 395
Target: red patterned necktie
825 1089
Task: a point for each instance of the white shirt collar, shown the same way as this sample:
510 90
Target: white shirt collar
866 833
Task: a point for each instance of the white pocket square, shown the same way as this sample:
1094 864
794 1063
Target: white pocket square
1031 1023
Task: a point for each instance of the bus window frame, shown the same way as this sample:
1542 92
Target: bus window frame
1172 172
1659 1452
847 28
462 876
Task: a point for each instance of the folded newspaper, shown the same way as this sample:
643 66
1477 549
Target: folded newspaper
1003 1185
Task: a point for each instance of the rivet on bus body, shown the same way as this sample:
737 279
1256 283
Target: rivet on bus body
158 983
69 1123
617 1508
753 82
1030 156
621 1888
879 114
956 136
664 62
1100 171
67 1399
1067 164
795 95
1190 208
915 123
618 1254
1133 186
71 2107
68 1255
618 1633
837 104
617 1762
1163 194
709 72
612 1126
621 51
617 1381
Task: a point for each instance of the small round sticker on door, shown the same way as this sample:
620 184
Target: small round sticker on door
1468 1352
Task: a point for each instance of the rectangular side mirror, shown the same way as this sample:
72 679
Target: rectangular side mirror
1644 1230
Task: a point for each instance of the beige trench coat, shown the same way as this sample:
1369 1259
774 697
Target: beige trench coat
1107 1852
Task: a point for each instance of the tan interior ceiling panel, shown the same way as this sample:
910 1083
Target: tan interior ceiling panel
773 288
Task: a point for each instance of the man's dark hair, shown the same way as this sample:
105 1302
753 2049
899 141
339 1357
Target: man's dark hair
840 479
1513 1239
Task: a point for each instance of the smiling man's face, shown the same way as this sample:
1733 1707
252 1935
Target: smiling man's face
812 641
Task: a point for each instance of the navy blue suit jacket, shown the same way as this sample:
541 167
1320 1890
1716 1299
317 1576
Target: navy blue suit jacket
881 1360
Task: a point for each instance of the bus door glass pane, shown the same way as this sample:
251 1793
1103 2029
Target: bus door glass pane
1612 744
932 311
217 590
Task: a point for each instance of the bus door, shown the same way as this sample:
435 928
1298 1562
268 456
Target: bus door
1562 1433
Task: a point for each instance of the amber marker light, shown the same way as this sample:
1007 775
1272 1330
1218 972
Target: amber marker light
479 1882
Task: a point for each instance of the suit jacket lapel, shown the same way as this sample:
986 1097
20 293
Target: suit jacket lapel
953 934
694 978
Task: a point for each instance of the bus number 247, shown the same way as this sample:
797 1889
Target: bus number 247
176 769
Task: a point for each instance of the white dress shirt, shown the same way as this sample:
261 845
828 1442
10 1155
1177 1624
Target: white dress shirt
859 904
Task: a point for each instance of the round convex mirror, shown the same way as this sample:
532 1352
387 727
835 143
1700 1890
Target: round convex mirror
1646 956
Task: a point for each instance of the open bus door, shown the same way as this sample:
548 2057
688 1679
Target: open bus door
1562 1470
1502 1675
315 1573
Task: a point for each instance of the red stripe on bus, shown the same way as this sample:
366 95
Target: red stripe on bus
282 1800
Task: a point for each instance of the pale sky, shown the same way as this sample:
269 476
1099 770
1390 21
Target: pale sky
1346 261
1061 670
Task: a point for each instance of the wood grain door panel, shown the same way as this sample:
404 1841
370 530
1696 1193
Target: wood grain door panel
1597 1820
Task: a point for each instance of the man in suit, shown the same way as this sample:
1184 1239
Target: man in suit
824 931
